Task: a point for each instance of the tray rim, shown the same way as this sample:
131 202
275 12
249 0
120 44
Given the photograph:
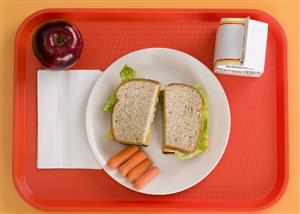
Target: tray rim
28 196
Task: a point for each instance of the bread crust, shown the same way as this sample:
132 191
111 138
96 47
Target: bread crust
164 121
112 128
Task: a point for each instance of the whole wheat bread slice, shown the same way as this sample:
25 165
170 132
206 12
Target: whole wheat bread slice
133 113
181 118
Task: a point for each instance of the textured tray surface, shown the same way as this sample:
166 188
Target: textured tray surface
253 170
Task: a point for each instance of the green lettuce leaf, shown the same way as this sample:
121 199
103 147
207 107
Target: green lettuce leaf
111 101
202 144
127 73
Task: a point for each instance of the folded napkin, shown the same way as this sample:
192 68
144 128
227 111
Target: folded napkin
62 99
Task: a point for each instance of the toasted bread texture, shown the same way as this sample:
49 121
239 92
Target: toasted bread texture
133 113
181 118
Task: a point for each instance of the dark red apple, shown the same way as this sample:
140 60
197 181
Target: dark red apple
57 44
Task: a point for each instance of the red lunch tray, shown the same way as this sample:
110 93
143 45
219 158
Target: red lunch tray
251 175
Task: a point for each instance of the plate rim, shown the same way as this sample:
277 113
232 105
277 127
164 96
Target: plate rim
102 162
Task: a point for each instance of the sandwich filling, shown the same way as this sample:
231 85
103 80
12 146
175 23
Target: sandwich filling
133 112
185 120
203 137
133 107
126 74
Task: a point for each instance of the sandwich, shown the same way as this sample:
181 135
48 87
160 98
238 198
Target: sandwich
132 107
185 120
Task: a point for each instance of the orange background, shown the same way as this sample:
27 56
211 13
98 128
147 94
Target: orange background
13 12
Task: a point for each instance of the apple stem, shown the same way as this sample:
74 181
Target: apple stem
60 41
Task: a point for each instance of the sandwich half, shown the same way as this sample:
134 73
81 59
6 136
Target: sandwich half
184 120
134 105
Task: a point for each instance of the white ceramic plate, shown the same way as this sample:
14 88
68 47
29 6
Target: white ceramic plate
166 66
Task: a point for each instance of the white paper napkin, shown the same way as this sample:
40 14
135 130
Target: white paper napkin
62 99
